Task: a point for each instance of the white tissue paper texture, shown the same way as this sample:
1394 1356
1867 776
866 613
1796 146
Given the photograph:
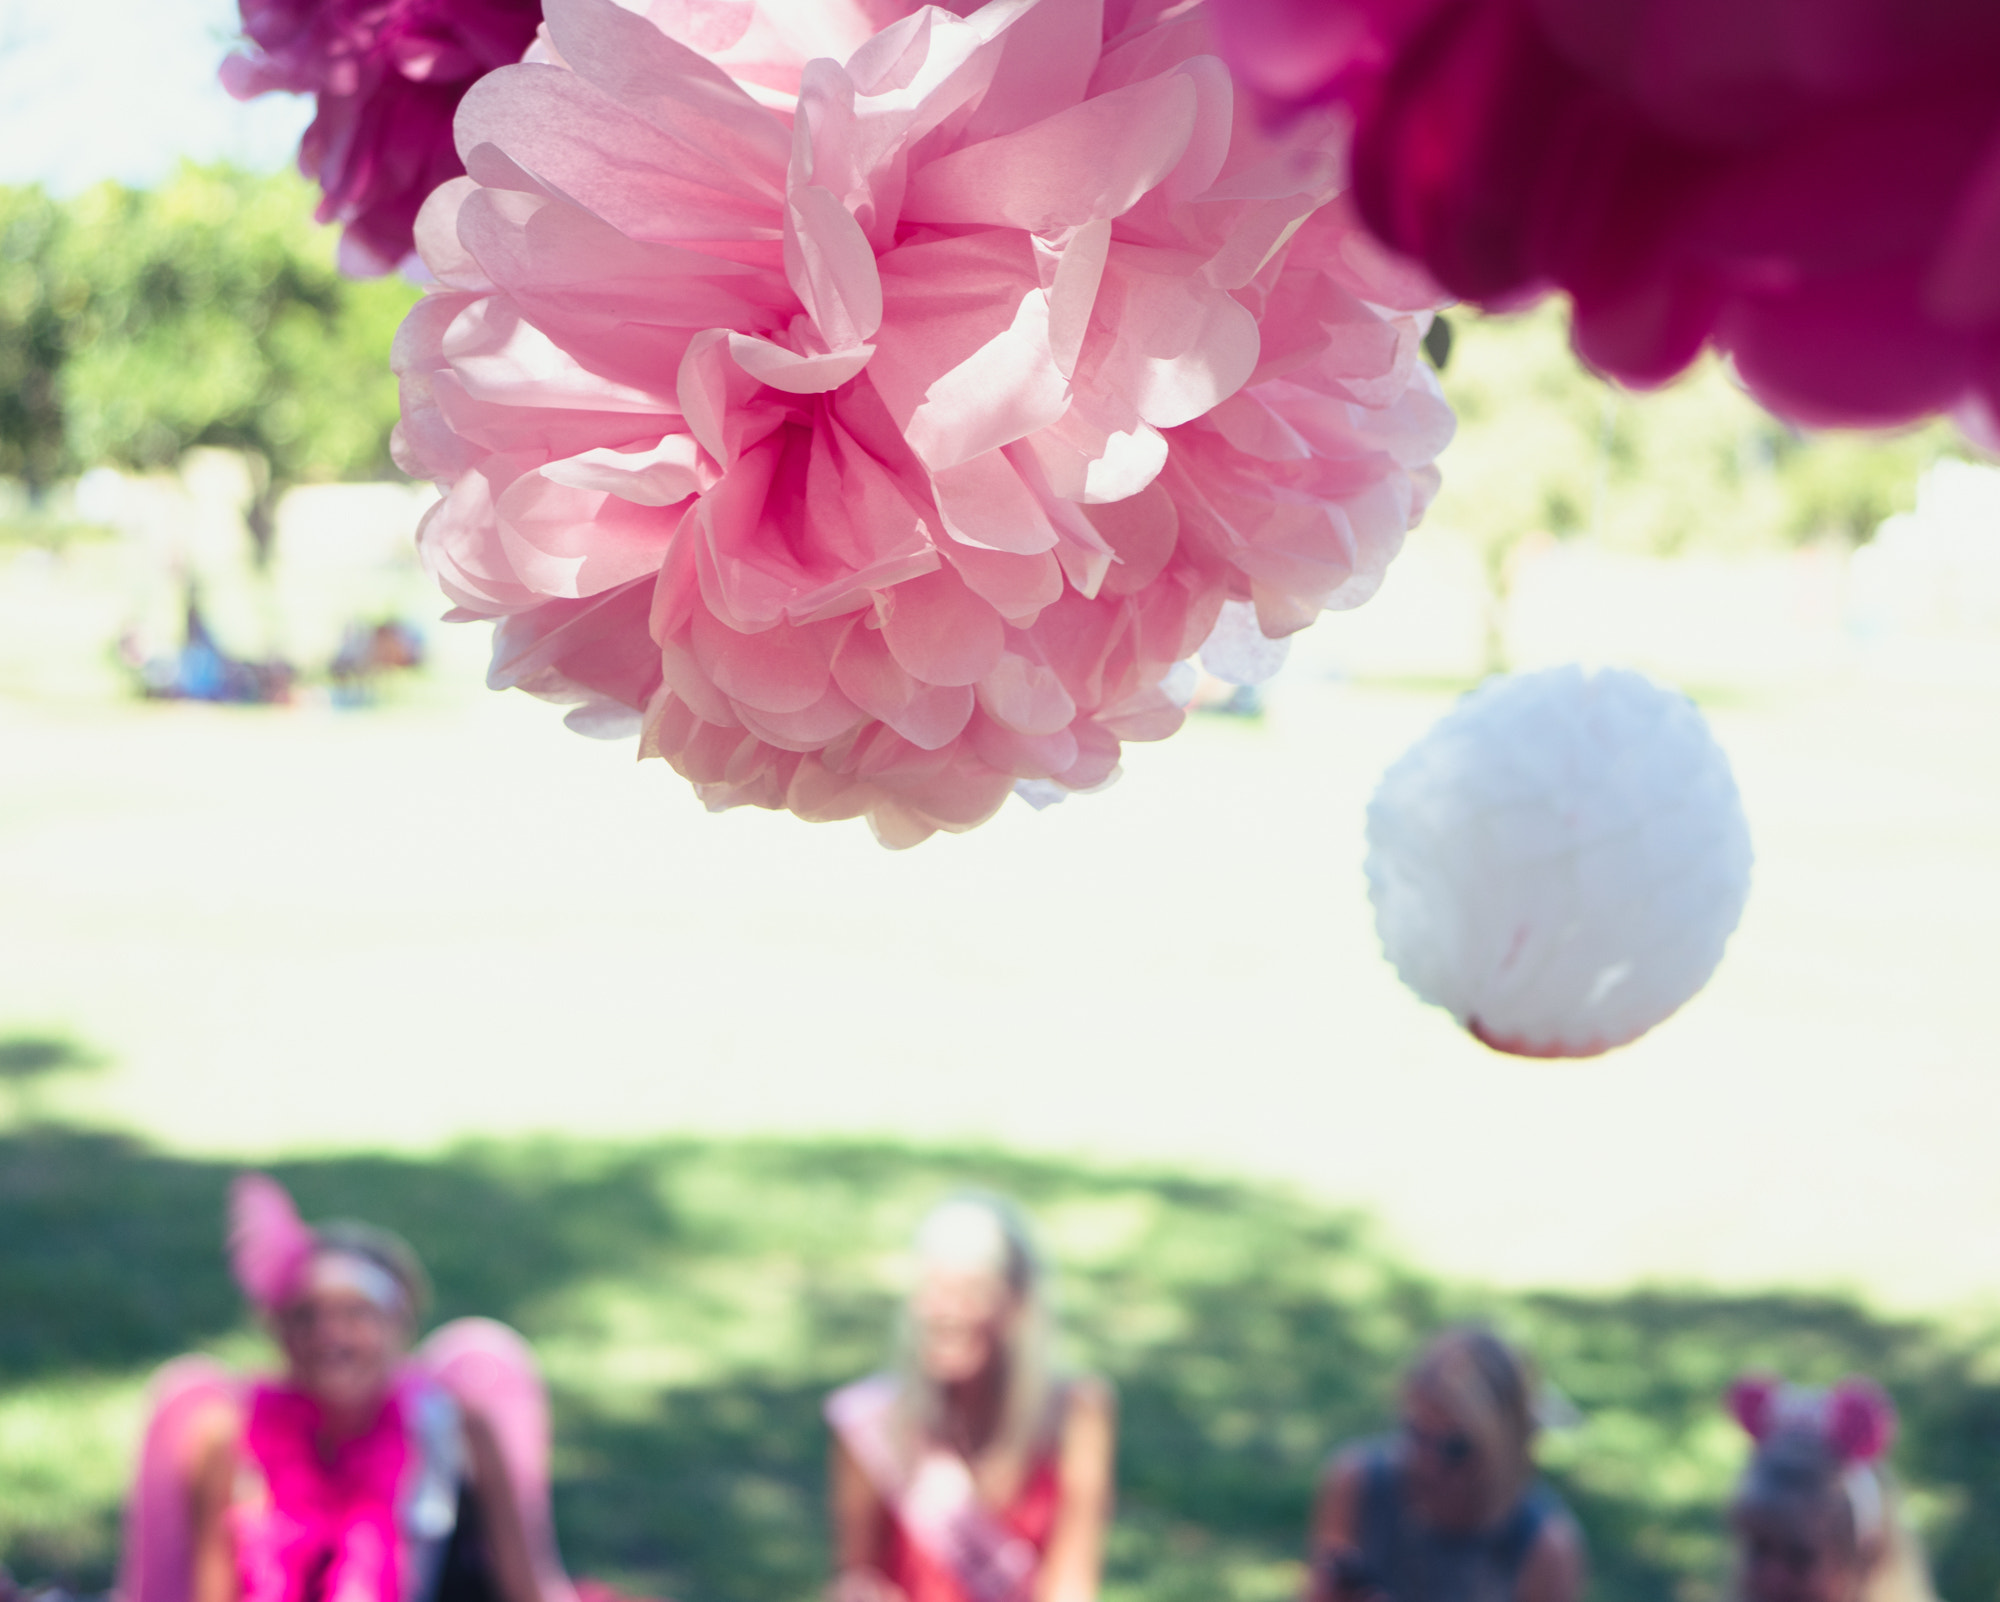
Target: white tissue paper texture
1560 860
1237 650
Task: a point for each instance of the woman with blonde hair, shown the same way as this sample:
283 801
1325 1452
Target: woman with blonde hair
1815 1516
1451 1509
975 1471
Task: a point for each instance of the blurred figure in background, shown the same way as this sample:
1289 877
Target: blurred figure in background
1814 1517
1450 1509
368 651
200 670
362 1474
976 1472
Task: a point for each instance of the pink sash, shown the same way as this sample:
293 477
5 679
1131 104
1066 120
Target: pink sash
933 1499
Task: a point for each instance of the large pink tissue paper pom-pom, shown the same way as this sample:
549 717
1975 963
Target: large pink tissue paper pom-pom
388 75
870 405
1811 188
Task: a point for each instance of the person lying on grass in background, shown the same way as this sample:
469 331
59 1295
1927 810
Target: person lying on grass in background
362 1473
1815 1517
976 1471
1450 1509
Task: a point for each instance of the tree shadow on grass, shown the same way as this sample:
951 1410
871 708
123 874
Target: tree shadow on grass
111 1253
695 1300
26 1057
1647 1369
29 1061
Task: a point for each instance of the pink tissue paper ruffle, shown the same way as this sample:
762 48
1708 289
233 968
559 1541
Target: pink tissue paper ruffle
1811 186
269 1246
388 74
871 404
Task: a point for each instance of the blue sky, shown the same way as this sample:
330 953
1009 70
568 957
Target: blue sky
93 89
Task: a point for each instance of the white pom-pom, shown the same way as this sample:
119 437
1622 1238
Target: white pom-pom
1237 651
601 718
1559 862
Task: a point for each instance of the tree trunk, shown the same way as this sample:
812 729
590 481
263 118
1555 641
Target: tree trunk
263 520
1499 566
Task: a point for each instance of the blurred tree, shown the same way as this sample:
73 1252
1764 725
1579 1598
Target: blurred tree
37 301
213 315
1547 449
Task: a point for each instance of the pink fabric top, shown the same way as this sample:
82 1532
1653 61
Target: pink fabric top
326 1531
945 1544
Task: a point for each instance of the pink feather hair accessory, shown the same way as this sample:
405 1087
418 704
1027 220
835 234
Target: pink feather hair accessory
269 1244
1855 1418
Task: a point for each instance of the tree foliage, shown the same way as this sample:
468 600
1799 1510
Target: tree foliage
135 324
1547 447
37 303
208 311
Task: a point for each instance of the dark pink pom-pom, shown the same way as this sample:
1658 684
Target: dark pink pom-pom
1860 1420
1753 1403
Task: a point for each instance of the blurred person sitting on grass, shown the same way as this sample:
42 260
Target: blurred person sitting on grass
1450 1509
1815 1518
976 1471
364 1473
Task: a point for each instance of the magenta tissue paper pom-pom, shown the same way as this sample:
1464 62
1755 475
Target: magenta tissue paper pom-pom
1813 189
388 75
871 405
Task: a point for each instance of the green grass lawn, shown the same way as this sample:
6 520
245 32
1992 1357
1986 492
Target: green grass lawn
693 1300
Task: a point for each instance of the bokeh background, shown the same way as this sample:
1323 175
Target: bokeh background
280 882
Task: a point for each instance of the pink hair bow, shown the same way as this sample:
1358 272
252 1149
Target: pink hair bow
1855 1418
269 1245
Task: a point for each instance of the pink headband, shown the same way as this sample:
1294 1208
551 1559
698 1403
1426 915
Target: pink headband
270 1247
1856 1419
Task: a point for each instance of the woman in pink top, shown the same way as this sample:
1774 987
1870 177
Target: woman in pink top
362 1473
973 1473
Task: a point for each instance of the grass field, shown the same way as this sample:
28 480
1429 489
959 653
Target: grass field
449 918
668 1090
694 1299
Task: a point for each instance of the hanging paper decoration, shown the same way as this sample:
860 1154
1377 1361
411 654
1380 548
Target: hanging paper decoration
388 74
1559 862
875 437
1237 651
1812 189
